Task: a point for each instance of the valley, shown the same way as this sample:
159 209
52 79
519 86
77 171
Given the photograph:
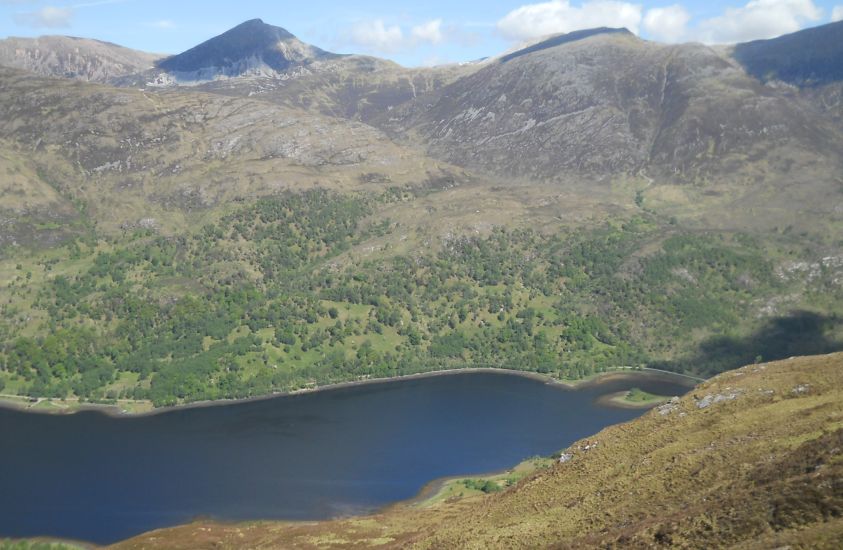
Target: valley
259 216
262 301
176 245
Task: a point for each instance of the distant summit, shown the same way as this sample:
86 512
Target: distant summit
253 47
810 57
560 39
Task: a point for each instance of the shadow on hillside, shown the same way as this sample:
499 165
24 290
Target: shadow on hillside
800 333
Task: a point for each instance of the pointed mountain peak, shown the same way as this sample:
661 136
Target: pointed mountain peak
258 30
250 46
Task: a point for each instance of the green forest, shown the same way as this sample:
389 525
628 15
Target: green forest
272 297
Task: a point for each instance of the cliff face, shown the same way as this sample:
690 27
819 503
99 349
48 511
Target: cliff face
752 458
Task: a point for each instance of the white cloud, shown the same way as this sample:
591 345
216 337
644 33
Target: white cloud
375 36
754 20
47 17
429 32
758 19
668 24
558 16
837 13
164 24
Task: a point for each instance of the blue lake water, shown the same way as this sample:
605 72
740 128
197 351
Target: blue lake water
98 478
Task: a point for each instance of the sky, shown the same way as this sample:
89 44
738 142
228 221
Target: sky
411 33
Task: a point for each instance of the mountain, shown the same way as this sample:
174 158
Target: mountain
748 459
604 102
251 48
558 40
811 57
255 59
128 155
358 87
76 58
810 60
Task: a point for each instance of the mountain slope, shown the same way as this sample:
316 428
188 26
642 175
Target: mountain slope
76 58
252 47
749 459
810 57
32 212
356 86
255 59
130 155
810 60
610 103
592 103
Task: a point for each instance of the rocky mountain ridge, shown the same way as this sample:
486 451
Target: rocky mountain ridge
592 102
688 127
610 103
76 58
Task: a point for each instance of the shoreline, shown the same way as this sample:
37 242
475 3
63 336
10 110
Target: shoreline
115 411
427 492
618 399
432 488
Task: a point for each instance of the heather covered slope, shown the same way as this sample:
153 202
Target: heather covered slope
753 458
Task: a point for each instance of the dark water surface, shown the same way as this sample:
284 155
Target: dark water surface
97 478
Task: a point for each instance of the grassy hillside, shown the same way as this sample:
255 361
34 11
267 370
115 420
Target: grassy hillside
305 289
174 246
749 459
37 545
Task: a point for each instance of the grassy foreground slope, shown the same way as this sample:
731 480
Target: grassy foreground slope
752 458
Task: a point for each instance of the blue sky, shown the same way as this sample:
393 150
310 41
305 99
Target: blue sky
411 33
